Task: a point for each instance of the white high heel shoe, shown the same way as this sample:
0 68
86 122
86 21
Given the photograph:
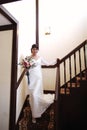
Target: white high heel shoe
33 120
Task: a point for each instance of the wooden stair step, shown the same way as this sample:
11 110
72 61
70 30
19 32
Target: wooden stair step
64 91
73 84
79 78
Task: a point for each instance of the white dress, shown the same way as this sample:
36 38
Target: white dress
39 101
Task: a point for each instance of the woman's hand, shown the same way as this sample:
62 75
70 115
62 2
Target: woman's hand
26 64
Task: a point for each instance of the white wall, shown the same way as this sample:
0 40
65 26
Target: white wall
67 20
22 91
5 77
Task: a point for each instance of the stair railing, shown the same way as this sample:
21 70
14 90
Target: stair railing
72 65
69 67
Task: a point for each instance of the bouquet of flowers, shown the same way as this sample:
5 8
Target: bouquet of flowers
24 63
27 62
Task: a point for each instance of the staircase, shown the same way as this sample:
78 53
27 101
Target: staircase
72 87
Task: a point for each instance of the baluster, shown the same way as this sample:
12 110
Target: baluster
84 56
85 59
75 63
70 68
80 64
65 75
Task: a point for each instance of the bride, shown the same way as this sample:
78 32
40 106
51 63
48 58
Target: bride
39 101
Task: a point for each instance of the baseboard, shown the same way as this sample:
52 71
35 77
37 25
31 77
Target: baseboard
49 91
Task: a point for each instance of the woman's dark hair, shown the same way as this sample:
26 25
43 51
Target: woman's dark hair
34 46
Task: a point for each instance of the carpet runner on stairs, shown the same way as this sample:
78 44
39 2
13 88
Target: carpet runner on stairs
46 122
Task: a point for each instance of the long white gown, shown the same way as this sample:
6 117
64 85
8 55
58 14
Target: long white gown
39 101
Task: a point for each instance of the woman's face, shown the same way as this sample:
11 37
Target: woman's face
34 51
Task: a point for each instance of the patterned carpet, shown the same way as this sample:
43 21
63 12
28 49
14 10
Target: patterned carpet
46 122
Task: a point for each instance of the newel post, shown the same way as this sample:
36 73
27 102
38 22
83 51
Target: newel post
57 91
57 86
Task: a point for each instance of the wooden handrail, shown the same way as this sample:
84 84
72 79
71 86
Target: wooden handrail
73 51
50 66
21 77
